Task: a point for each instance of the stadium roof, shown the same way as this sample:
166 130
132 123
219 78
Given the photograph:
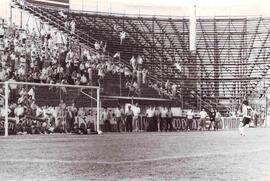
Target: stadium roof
176 7
167 7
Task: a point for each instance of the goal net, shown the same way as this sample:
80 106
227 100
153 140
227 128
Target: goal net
34 108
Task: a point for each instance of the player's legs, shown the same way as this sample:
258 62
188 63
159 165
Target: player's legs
242 125
241 128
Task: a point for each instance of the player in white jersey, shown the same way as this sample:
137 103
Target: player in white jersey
246 112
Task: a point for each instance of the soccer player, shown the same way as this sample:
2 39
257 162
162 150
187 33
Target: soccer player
246 112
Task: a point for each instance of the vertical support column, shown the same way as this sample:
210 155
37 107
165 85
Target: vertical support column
97 6
10 12
82 5
216 63
98 109
22 13
192 29
21 19
6 108
120 77
192 49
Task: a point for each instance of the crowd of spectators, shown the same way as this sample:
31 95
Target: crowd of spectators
44 58
168 89
134 117
32 118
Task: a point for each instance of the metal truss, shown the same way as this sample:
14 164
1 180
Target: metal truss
231 59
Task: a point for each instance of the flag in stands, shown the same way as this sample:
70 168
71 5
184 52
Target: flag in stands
53 3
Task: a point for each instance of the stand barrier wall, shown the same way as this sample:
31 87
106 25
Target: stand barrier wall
179 123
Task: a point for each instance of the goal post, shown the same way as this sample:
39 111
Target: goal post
51 106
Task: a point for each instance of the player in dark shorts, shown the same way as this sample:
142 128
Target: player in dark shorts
246 112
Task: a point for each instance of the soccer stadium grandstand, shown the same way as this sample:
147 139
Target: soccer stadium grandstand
88 94
230 61
137 59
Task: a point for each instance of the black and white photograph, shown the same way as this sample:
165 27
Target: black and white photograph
134 90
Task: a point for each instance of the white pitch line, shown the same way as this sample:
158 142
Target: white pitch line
129 161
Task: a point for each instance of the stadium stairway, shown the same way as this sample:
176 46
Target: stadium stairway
53 18
52 96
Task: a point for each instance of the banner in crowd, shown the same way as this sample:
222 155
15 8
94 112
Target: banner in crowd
37 121
11 126
230 122
180 123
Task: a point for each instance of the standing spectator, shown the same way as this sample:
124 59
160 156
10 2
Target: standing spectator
13 88
136 111
70 119
133 63
136 88
144 75
218 119
19 111
2 74
174 90
106 119
72 26
122 110
139 62
118 116
33 107
190 115
202 120
156 119
149 117
162 121
129 117
256 117
169 116
31 92
112 121
62 107
212 116
167 85
131 89
123 35
139 77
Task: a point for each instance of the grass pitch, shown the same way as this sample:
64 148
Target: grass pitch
209 155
